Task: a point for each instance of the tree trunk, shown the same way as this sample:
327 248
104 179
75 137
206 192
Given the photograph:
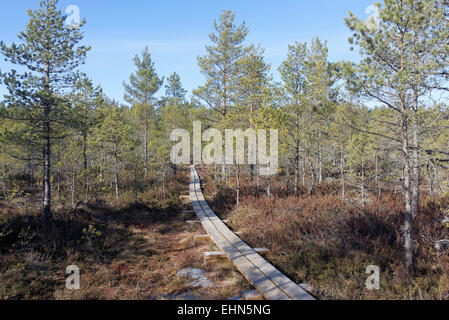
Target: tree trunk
47 169
415 138
215 173
223 171
258 175
72 185
136 193
320 159
303 172
379 190
145 140
437 182
312 178
238 185
86 186
296 168
225 92
59 186
269 195
297 149
224 111
403 181
30 167
47 149
163 184
362 186
5 193
430 175
116 178
342 174
415 163
408 224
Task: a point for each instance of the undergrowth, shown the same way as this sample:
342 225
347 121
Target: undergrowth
329 243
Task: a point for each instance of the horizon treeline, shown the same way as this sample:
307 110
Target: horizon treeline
373 127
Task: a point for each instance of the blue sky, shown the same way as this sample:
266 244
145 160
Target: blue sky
176 32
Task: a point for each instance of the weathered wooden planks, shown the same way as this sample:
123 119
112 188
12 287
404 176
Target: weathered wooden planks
267 280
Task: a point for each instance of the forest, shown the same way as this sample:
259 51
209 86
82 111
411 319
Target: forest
363 175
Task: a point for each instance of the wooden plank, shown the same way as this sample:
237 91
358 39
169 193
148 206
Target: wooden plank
264 285
306 286
252 295
261 251
216 256
270 282
235 299
215 226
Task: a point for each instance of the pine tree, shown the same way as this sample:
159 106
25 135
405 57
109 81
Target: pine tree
50 53
251 87
342 136
85 98
173 114
271 116
174 89
293 73
143 84
401 65
320 94
219 65
114 136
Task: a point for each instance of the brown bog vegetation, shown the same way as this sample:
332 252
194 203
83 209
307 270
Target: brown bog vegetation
124 250
329 243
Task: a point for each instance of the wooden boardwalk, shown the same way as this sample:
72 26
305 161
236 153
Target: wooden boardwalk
268 281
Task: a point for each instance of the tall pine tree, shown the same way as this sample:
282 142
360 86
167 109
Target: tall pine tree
143 84
50 53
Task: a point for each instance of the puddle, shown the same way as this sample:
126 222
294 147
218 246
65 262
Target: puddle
198 277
